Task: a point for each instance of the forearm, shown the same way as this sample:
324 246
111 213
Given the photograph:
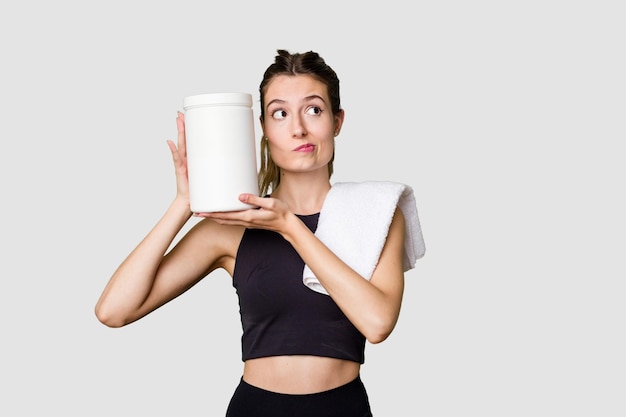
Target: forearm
373 309
133 280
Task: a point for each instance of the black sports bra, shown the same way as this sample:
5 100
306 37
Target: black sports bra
279 314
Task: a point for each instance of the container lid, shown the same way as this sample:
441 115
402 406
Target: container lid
218 99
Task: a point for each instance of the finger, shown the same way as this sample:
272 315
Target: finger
173 150
227 217
180 124
254 200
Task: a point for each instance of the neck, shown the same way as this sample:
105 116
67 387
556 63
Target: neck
303 195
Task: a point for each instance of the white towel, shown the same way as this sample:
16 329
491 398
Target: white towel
354 222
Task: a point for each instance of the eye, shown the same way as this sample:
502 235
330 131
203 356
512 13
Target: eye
314 110
279 114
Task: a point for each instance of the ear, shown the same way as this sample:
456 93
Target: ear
262 125
339 121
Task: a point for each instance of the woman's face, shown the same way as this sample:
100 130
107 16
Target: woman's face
299 123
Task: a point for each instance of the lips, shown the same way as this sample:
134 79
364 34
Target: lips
307 147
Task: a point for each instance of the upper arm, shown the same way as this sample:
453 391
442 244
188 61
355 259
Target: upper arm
206 247
388 276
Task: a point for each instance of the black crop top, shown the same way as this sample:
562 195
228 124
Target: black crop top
279 314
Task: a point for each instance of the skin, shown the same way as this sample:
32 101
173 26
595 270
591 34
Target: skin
297 113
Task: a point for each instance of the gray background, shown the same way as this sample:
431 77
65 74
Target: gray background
505 118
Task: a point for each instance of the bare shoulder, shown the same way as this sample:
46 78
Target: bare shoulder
215 245
394 243
393 249
225 236
398 223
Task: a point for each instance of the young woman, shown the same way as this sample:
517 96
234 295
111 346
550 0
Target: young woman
302 350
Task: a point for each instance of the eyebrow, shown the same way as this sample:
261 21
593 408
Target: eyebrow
307 98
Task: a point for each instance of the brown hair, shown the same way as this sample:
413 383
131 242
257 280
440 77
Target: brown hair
285 63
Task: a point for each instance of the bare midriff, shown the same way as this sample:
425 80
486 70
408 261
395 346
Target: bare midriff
299 374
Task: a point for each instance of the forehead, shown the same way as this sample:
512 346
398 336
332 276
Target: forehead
294 88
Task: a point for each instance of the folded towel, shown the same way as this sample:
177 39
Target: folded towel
354 222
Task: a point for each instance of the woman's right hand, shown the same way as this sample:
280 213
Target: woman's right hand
179 156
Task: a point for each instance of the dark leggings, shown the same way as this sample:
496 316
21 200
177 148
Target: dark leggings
349 400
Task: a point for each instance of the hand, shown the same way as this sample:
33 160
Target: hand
179 156
270 214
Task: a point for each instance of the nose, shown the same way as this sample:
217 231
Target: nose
298 127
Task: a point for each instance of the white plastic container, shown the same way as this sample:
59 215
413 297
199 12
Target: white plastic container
221 153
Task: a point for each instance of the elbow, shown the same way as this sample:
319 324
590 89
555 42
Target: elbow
378 337
376 340
380 331
107 318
